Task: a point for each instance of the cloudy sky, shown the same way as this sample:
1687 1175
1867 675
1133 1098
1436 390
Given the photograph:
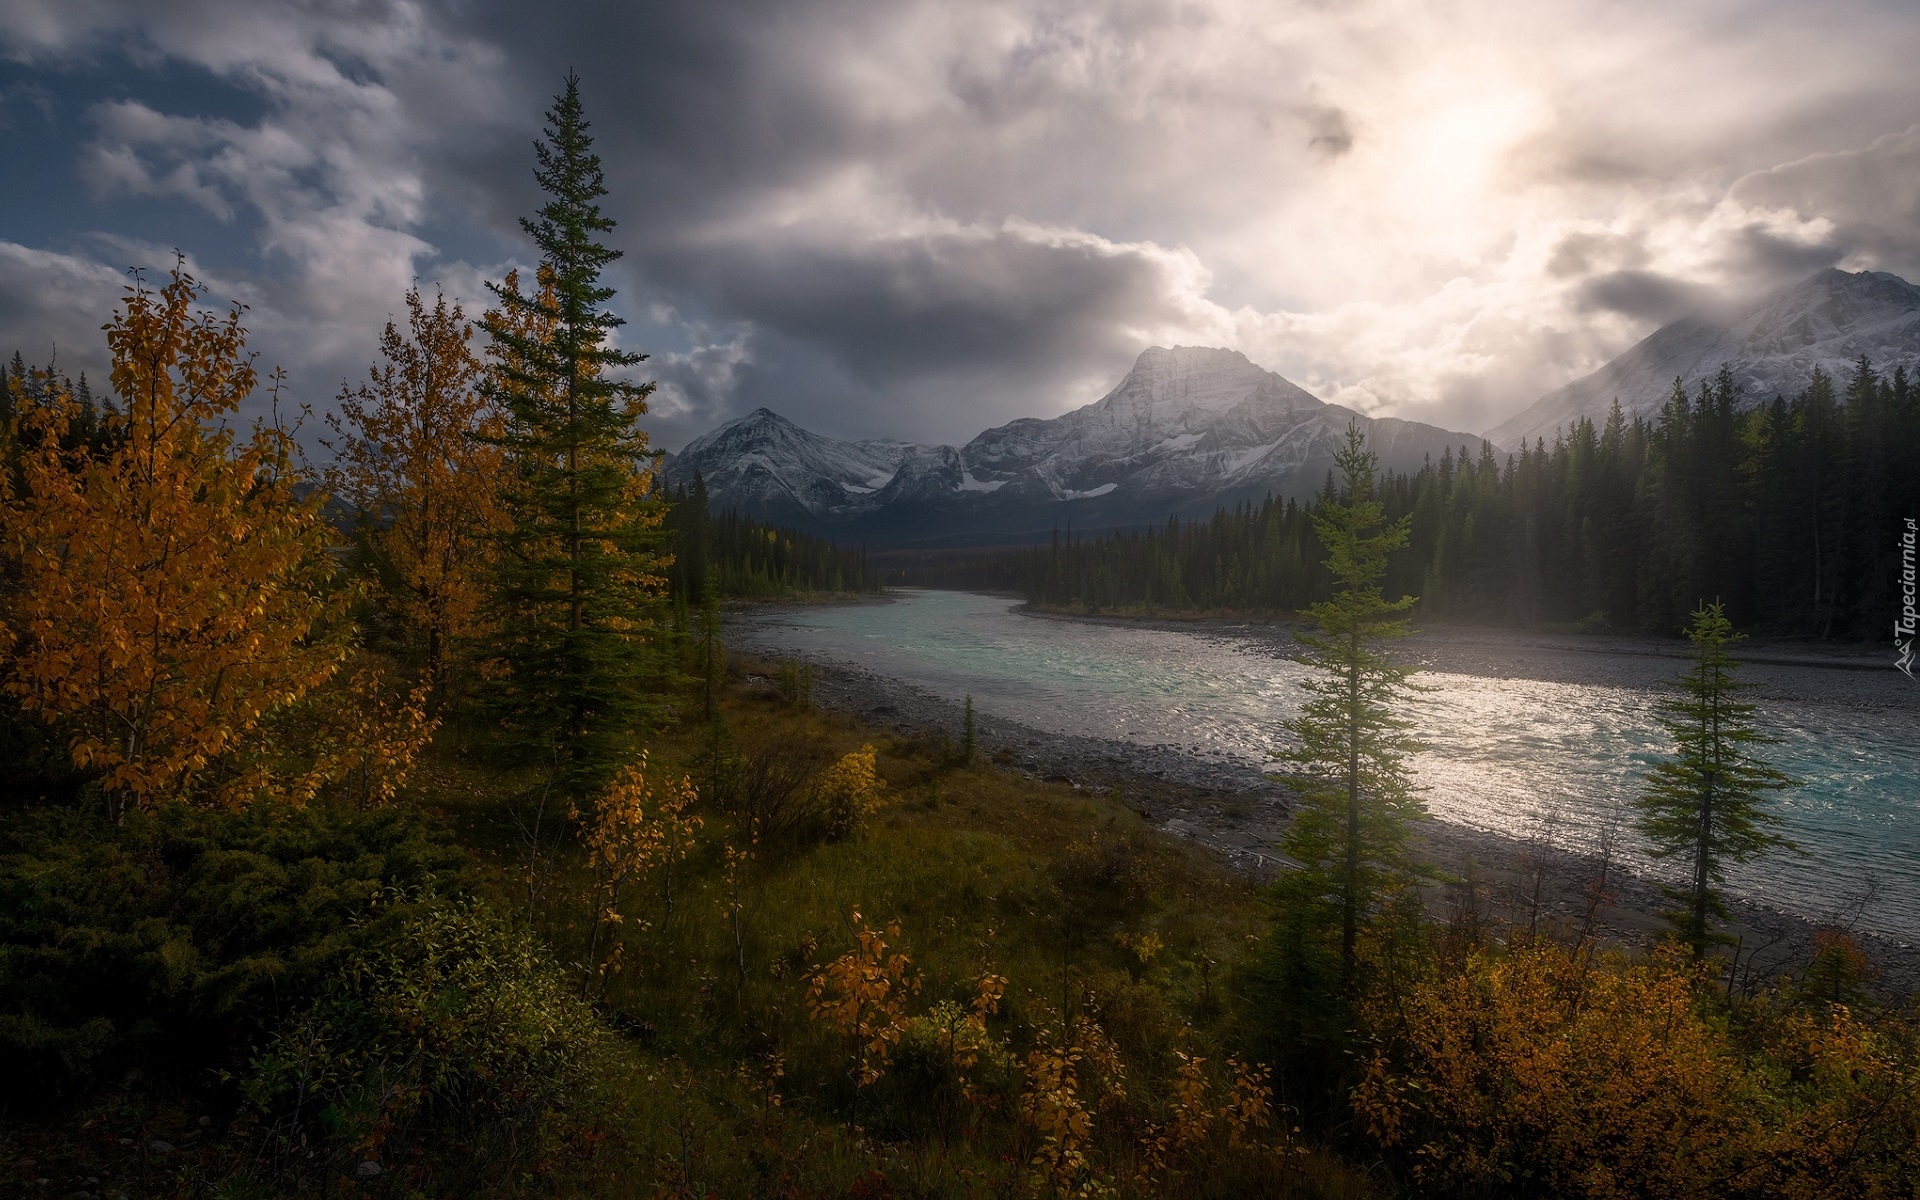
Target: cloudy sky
920 219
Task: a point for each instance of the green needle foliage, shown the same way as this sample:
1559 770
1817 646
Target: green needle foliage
1348 760
582 564
1705 803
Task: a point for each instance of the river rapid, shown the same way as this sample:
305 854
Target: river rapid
1522 736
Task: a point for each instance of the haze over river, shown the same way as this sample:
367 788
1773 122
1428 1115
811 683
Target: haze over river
1501 751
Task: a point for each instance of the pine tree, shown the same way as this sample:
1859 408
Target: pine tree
1348 760
581 563
1705 802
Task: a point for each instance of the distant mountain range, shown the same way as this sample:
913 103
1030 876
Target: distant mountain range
1187 430
1192 428
1829 320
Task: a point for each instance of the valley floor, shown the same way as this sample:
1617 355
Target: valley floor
1229 808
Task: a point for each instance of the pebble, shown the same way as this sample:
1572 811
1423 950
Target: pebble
367 1170
160 1147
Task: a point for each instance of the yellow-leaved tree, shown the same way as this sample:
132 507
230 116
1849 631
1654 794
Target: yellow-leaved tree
413 456
172 586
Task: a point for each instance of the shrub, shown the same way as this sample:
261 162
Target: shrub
849 792
455 1026
1543 1072
169 943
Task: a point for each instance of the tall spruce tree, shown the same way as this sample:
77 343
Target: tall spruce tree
1705 804
1349 751
581 563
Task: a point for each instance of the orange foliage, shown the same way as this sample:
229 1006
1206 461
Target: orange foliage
369 735
411 457
172 577
1051 1106
1542 1072
863 994
629 833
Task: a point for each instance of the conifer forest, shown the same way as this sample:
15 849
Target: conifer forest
1785 510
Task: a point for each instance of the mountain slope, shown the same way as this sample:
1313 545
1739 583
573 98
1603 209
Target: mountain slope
766 466
1187 429
1829 320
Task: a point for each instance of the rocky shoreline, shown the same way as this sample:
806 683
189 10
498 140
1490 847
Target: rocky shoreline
1233 811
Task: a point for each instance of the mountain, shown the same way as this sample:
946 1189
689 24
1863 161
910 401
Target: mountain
1188 429
766 465
1828 320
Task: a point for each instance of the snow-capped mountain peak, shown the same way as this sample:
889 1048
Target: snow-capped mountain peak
1830 319
1187 428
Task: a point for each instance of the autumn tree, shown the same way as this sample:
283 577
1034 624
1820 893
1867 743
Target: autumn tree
173 576
361 736
863 995
630 832
581 567
1705 805
1348 757
412 459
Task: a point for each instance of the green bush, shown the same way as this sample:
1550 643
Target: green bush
456 1026
167 946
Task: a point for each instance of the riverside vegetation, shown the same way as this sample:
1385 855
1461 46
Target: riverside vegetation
444 852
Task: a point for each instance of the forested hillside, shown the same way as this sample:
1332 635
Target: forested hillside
747 559
1789 511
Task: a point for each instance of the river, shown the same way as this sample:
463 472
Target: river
1503 754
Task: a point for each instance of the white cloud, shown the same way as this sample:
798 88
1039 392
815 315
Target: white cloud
920 218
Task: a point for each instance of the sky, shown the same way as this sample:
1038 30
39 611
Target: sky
918 220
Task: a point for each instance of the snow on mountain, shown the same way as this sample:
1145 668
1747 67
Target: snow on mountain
1829 320
765 464
1188 428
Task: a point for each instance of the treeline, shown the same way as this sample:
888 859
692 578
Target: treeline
749 560
1788 512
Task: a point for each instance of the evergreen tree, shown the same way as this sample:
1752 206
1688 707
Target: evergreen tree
713 666
1705 802
581 565
1348 760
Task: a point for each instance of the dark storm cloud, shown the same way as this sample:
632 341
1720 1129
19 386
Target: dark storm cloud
1329 131
1644 295
935 303
919 218
1868 202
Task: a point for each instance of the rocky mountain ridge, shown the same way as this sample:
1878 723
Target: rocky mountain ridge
1829 320
1189 428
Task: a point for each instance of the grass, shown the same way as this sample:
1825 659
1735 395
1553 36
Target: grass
729 1087
714 1078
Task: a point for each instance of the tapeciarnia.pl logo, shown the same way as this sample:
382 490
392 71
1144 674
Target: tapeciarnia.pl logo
1903 626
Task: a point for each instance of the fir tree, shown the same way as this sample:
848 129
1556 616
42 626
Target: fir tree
1348 760
581 563
1705 803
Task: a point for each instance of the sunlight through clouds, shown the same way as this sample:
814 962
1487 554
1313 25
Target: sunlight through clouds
927 219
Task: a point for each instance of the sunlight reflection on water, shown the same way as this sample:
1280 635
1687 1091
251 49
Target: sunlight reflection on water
1500 752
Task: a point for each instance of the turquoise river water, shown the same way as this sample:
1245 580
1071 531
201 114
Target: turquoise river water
1501 753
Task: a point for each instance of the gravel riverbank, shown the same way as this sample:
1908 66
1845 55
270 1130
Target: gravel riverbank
1228 807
